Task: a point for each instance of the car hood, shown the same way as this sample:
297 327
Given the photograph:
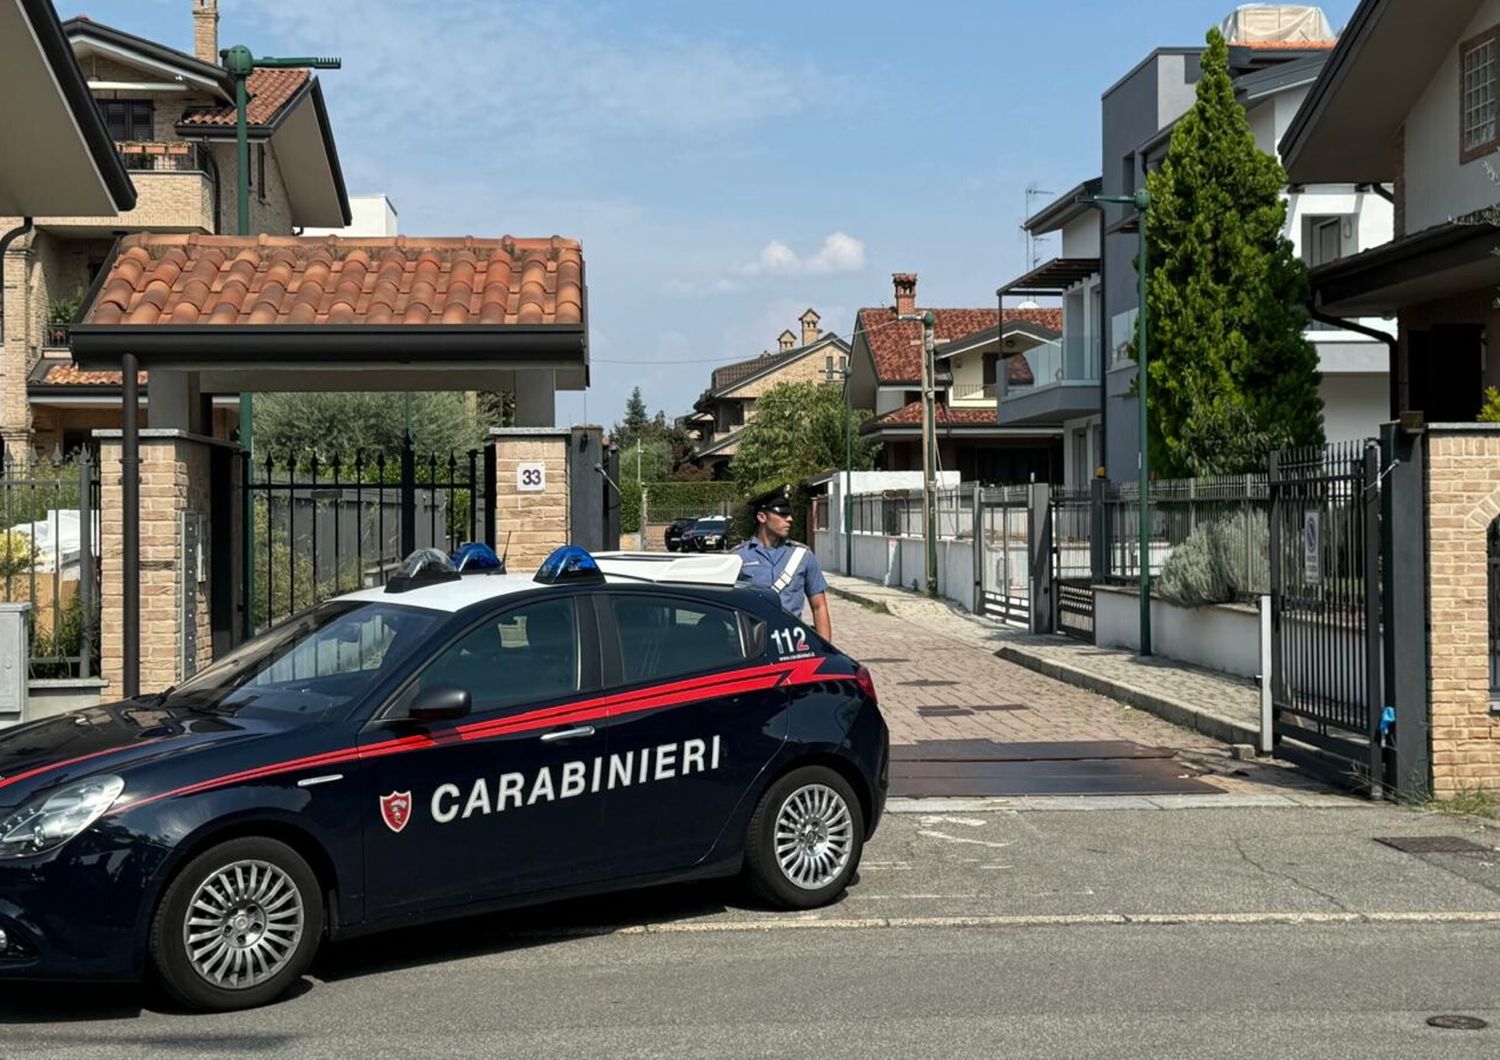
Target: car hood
113 738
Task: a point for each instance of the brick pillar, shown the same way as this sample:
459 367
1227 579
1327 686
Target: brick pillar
174 483
537 520
1463 499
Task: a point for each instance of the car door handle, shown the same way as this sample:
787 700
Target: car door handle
568 734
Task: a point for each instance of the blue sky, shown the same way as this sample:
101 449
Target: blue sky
726 164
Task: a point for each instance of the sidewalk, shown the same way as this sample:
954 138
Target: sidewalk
1223 708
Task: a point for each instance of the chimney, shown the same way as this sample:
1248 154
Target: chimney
787 340
906 292
206 31
810 329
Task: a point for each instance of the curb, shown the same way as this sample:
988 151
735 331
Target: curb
1215 726
859 598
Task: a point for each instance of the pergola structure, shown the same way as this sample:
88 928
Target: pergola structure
208 315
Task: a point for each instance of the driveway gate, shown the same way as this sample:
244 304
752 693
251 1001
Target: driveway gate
1003 535
1072 563
1326 644
322 528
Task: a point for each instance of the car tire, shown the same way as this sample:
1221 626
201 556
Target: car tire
269 904
813 815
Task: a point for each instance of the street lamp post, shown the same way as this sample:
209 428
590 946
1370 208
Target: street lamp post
241 63
1141 201
929 447
843 372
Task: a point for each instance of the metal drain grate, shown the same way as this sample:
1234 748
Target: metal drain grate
944 712
1433 844
926 682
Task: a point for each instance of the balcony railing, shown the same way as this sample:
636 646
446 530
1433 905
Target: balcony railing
55 337
974 392
1070 359
150 157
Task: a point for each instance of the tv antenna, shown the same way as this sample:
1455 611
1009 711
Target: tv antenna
1033 242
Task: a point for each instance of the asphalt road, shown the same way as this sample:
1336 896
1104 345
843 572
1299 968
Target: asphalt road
1237 931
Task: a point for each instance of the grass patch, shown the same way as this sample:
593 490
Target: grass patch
874 606
1468 802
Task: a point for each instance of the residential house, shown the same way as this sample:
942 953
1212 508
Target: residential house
1326 220
370 216
970 347
721 411
1411 97
172 119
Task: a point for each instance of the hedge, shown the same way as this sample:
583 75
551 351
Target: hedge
672 496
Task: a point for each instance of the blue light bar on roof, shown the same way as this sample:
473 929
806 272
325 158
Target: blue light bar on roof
570 563
475 557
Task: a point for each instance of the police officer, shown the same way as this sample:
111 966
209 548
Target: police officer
772 559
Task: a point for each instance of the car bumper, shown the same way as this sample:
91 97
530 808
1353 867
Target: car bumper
77 915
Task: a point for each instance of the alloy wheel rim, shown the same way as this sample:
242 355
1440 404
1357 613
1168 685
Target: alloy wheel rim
243 924
814 836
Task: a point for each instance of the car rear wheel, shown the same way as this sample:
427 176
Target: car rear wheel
805 839
238 925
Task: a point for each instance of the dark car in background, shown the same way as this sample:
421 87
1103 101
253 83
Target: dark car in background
710 534
675 532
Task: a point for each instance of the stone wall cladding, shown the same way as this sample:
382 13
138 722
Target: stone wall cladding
536 523
174 475
1463 498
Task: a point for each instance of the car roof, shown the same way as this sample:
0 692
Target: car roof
619 568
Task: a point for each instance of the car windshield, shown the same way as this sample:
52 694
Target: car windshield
713 525
310 667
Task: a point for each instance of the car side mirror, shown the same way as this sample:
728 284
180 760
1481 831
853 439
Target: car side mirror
440 703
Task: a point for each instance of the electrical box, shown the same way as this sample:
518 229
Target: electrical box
194 574
13 662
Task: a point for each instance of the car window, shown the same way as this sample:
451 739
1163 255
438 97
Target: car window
311 666
662 637
526 655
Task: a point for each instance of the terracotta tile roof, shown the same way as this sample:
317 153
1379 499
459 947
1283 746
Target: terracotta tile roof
911 415
896 345
72 375
270 90
730 374
197 279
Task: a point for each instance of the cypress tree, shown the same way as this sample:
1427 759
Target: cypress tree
1232 375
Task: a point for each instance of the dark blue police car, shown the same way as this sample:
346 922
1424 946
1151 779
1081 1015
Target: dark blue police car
451 744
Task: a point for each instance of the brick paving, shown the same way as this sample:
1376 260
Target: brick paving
928 655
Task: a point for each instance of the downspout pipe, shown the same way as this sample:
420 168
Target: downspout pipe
1392 345
7 239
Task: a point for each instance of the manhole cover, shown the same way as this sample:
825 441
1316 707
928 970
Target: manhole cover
1433 844
1457 1023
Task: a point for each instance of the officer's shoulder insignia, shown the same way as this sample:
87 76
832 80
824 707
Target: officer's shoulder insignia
790 543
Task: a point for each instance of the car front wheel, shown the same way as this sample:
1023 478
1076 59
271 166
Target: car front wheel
238 925
805 839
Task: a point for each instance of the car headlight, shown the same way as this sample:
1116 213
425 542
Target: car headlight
50 820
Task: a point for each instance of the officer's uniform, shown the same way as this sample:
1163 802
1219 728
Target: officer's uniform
790 568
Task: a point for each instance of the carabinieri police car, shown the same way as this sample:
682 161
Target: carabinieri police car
451 744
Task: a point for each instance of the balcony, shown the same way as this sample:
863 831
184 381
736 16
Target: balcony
55 337
1065 384
175 191
973 394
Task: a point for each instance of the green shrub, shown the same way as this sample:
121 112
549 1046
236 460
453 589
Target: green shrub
1220 562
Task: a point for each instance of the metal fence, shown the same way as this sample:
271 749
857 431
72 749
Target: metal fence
1003 552
325 528
49 558
898 513
1176 509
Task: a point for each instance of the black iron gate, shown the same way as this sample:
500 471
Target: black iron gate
325 527
1326 644
1073 522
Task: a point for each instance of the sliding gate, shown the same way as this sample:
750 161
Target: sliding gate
1002 546
1326 644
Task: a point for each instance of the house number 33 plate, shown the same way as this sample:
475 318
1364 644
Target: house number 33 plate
531 477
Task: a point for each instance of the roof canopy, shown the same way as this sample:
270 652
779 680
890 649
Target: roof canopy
1385 59
57 157
324 313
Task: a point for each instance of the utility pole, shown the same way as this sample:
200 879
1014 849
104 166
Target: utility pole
1141 201
241 63
843 372
929 449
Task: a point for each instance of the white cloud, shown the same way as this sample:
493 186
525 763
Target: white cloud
840 252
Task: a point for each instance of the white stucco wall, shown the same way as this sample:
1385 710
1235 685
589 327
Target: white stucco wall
1080 237
1354 406
1437 186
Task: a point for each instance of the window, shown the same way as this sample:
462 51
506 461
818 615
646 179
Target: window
260 171
311 666
991 361
526 655
1493 554
663 637
1323 239
1477 73
128 119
